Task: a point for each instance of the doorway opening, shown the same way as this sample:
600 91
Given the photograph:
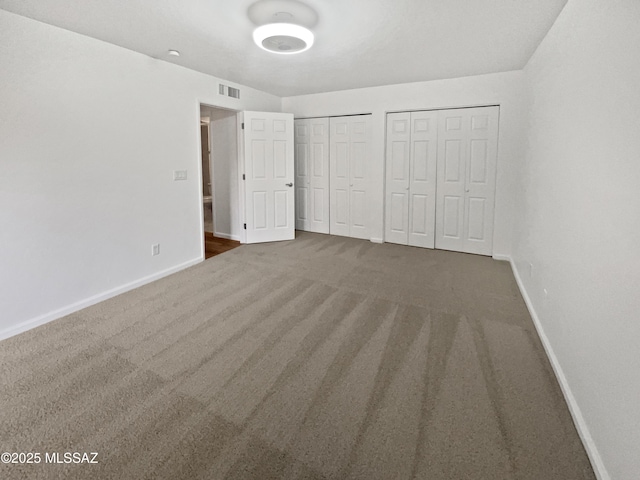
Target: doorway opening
220 199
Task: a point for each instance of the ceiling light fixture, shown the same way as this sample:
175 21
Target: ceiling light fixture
284 38
174 53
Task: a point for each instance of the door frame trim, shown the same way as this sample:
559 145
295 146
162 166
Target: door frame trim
200 104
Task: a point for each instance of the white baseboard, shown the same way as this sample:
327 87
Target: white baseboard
48 317
227 236
376 240
502 258
574 408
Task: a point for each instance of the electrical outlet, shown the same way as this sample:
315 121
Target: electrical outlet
155 249
179 175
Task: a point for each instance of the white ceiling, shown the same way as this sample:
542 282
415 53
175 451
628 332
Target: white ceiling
359 43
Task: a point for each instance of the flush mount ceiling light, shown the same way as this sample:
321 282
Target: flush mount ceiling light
284 38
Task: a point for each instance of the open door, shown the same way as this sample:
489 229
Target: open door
268 176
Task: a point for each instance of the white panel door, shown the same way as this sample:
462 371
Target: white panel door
340 177
411 178
397 177
318 199
359 164
312 174
269 170
422 179
350 154
303 181
467 154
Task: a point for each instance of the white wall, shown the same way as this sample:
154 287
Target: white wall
90 135
504 89
578 219
224 159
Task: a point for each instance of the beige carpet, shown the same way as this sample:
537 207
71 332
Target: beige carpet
320 358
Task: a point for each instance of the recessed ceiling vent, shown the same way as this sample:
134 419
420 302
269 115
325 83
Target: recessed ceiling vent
234 92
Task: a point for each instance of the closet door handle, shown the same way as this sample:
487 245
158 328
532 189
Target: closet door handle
289 184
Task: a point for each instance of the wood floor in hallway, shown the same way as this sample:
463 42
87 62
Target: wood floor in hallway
215 245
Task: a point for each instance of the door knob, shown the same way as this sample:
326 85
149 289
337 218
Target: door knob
289 184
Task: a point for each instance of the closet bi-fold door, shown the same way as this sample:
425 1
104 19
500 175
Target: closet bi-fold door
411 178
467 152
312 174
350 151
302 181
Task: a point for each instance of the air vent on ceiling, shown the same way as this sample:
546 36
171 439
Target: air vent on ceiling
222 89
234 92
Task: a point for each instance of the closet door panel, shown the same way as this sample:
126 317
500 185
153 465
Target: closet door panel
319 214
467 154
339 176
319 175
476 219
452 216
397 207
419 219
359 213
398 160
350 154
360 157
481 179
340 215
422 179
452 164
302 180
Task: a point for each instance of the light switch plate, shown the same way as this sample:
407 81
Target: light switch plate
179 175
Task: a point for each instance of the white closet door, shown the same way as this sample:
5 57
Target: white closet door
411 178
422 179
302 183
397 177
467 153
340 177
360 155
318 199
350 153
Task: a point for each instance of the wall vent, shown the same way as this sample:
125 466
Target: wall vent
234 92
222 89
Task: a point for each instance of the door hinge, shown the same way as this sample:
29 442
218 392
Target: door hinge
243 125
243 177
245 226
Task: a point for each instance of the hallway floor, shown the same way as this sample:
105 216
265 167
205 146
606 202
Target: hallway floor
215 246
